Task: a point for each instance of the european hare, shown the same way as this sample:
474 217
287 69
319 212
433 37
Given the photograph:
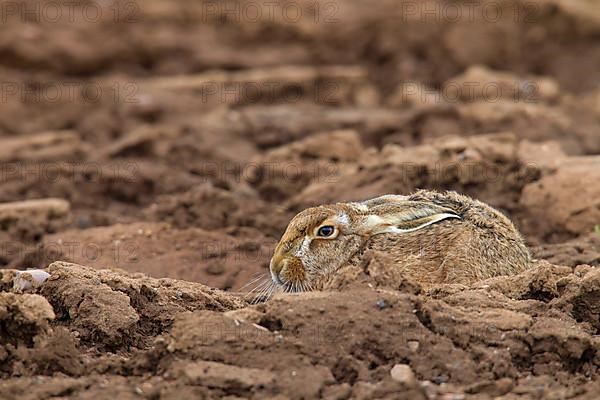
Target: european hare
432 237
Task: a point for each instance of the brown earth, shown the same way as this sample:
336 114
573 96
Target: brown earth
162 147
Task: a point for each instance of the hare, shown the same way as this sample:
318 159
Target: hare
432 238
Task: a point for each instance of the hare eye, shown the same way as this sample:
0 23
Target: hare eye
325 231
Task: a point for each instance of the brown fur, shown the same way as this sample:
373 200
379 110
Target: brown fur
431 237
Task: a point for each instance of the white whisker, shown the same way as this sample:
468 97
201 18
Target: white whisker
271 291
262 293
258 296
257 277
258 288
265 293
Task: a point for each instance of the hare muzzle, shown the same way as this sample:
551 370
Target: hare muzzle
287 270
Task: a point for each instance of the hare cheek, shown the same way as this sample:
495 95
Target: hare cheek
293 271
309 252
304 248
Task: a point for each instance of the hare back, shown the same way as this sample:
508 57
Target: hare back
482 244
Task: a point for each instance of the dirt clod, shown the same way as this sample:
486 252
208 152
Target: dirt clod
151 159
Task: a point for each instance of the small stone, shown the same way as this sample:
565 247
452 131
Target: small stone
25 280
404 374
381 304
413 345
84 222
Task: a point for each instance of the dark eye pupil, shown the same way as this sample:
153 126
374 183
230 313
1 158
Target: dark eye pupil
325 231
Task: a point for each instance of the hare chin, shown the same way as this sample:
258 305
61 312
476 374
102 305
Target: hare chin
291 287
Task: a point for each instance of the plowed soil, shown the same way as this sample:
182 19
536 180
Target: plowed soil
162 148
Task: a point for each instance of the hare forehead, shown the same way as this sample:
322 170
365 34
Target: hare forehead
360 207
343 218
309 219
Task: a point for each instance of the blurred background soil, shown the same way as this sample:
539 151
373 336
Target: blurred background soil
162 147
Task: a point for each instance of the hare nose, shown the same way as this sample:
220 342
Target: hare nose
277 264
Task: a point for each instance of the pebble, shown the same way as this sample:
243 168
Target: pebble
25 280
413 345
84 222
381 304
404 374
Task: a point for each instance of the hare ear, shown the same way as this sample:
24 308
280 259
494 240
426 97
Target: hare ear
385 199
403 216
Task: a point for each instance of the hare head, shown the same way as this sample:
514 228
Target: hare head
320 240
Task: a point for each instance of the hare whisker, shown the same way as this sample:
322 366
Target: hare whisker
259 285
272 290
258 289
261 294
255 279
